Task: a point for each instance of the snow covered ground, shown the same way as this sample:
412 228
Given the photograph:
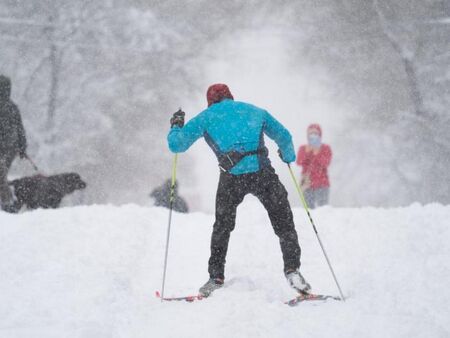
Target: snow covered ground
92 272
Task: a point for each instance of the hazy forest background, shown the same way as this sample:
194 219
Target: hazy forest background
97 81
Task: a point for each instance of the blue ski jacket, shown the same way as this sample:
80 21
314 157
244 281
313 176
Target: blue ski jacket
235 126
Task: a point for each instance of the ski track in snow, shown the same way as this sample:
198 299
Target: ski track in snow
92 272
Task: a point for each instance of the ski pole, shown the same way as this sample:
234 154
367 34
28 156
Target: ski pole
305 205
171 199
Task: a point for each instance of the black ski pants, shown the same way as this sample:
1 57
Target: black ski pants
6 160
266 186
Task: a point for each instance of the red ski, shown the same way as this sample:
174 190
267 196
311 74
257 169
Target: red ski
309 297
292 302
189 299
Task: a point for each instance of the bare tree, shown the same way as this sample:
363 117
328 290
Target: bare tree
407 56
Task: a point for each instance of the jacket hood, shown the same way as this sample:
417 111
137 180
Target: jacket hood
315 127
5 88
218 92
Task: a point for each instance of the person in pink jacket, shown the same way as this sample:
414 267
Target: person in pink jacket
314 158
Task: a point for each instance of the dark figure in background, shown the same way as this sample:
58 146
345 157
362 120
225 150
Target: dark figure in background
45 191
12 140
161 195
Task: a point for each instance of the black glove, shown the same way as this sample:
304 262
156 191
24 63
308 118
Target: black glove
177 119
281 155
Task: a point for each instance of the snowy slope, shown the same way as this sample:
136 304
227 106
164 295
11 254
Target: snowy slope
92 272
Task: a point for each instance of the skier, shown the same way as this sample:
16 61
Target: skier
234 131
12 141
161 196
314 158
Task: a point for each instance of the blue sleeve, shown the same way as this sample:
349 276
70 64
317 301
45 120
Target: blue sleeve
180 139
281 136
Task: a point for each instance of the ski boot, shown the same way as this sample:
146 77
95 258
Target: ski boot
211 285
297 282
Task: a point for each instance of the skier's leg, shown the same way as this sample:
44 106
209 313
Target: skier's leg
272 194
322 196
230 194
309 198
5 193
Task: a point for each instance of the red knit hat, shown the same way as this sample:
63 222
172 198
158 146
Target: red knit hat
316 127
217 92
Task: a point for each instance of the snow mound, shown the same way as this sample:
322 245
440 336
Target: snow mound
92 272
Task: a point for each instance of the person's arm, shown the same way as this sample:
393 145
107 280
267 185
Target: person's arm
277 132
181 138
301 156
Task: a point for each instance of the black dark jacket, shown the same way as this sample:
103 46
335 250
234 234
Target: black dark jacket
12 133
